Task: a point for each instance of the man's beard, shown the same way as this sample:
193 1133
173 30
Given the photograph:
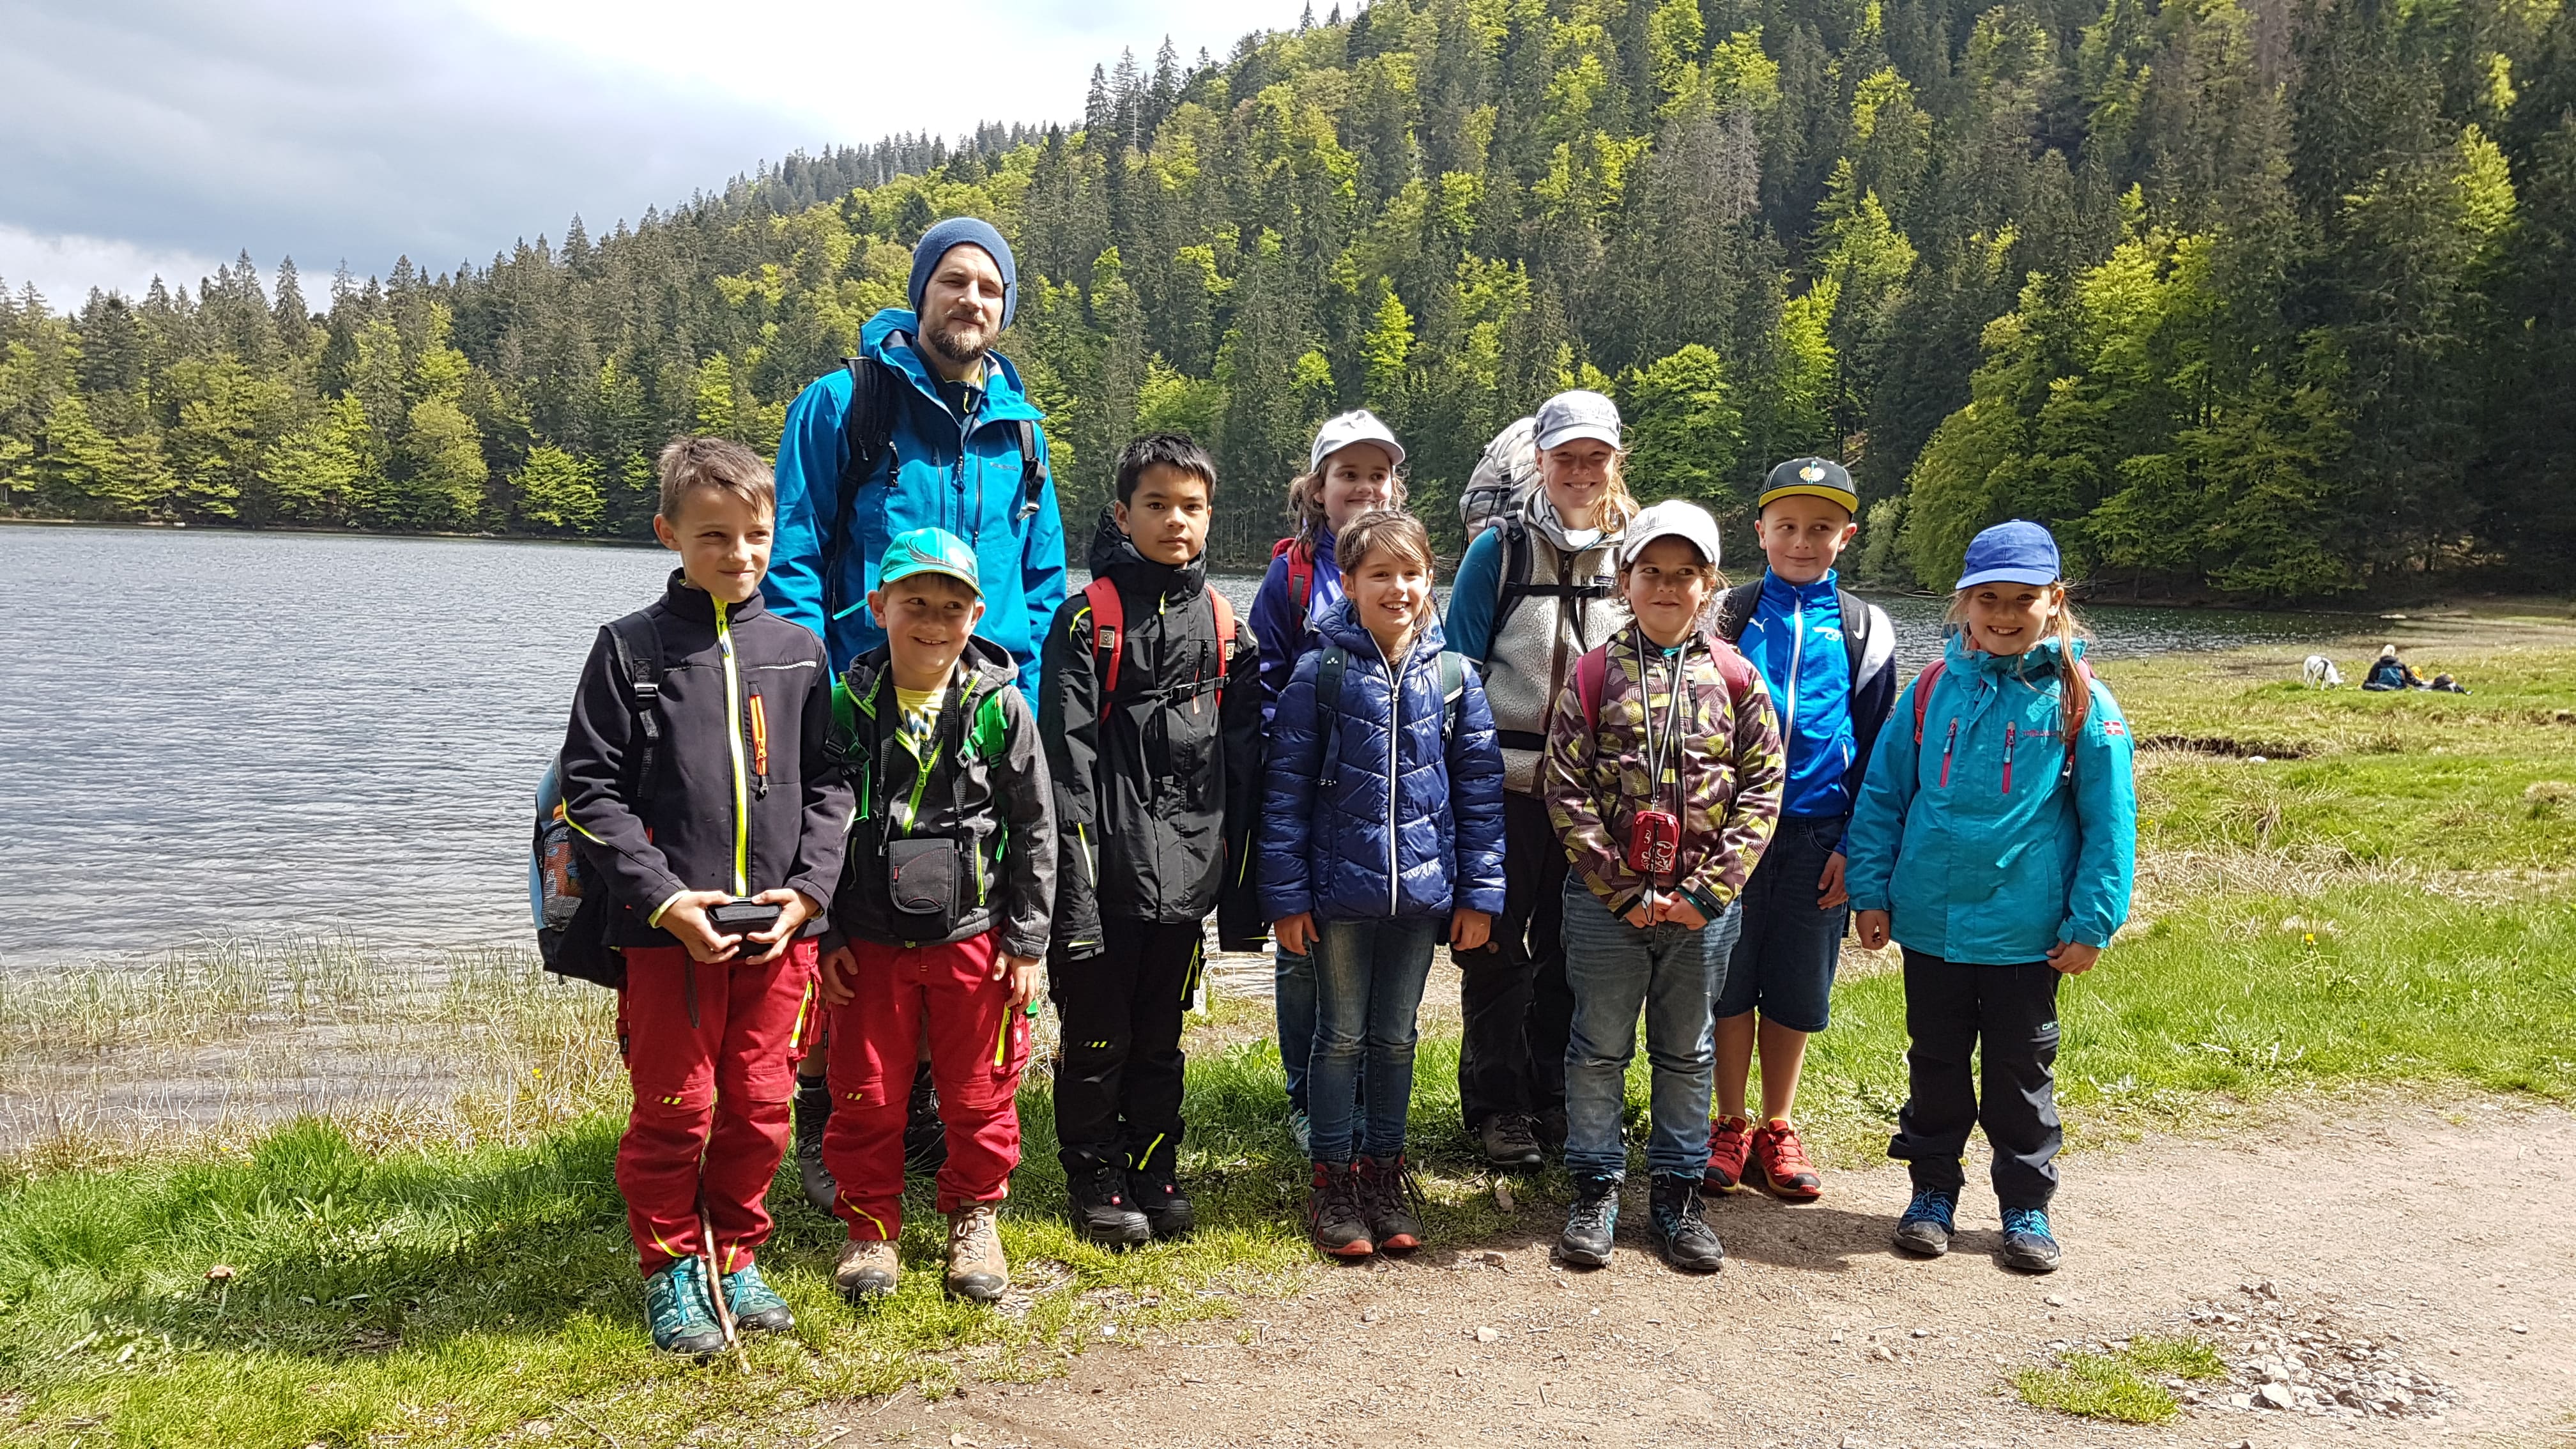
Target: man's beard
959 345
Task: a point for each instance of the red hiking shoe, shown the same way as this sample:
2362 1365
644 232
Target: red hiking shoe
1728 1146
1780 1163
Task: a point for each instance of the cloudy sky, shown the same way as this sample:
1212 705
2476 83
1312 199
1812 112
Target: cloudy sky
163 136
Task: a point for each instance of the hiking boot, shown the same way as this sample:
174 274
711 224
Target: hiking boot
1097 1201
2028 1245
1551 1129
1335 1214
1928 1222
1728 1147
1166 1208
1676 1228
1509 1142
1592 1223
756 1306
977 1271
1301 1129
867 1268
925 1137
679 1312
813 1113
1389 1202
1780 1163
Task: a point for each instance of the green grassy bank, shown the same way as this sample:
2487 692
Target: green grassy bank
2386 898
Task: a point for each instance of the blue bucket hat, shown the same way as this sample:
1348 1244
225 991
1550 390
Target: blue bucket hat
959 231
2018 552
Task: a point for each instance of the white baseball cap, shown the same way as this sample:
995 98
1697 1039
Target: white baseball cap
1356 426
1671 518
1577 414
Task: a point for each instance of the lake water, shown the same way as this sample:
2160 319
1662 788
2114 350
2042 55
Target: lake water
210 733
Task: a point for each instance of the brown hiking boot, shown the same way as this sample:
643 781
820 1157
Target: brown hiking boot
977 1271
866 1269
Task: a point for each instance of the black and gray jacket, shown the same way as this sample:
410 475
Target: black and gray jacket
985 782
744 795
1157 787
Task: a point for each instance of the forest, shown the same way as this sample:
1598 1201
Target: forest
2247 299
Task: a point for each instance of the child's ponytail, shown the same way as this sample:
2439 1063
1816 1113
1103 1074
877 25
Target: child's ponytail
2074 688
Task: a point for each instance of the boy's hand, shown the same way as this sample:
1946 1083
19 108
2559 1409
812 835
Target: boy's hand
1872 926
1642 917
834 978
1297 933
1022 973
2074 958
1829 886
686 918
794 910
1683 911
1468 929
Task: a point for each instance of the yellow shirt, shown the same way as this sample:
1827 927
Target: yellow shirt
917 712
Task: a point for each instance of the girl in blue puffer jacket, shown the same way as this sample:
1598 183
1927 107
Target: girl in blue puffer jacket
1996 838
1382 824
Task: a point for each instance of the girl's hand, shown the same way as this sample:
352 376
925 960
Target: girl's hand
2074 958
1684 912
1296 933
1872 926
834 978
1639 917
1022 973
1829 886
686 918
794 910
1469 929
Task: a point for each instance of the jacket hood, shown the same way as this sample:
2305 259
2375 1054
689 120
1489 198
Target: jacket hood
983 660
1340 624
888 337
2041 658
691 602
1114 556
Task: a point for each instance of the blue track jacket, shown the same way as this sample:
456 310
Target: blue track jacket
939 474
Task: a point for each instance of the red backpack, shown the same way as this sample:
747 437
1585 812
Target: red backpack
1301 570
1109 631
1592 676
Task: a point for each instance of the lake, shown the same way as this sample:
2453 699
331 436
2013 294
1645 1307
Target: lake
208 733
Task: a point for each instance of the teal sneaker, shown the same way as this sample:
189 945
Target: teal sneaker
680 1313
2028 1245
757 1308
1929 1222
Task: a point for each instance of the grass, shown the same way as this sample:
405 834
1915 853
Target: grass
439 1255
2118 1385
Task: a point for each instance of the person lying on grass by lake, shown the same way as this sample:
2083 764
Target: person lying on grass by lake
943 914
743 799
1996 840
2388 672
1662 778
1381 824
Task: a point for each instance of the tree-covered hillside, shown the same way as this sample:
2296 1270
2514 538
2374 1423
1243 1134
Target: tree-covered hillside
2265 298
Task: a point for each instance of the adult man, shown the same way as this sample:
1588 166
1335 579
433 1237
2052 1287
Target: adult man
946 438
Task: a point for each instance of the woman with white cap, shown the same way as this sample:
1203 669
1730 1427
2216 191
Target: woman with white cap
1532 594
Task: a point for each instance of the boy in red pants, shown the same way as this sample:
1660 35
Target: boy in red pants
942 915
697 771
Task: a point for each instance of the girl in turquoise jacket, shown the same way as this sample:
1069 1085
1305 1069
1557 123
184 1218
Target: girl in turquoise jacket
1995 838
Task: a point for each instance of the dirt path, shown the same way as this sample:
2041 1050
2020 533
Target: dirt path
2445 1237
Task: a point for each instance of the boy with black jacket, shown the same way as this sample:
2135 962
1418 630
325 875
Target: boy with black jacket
723 789
941 919
1151 704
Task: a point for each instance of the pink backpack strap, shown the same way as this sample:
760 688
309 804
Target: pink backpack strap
1923 683
1591 679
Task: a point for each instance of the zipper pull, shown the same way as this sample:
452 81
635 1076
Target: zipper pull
2012 732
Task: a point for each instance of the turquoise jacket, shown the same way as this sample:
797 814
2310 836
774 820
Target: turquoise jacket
1981 840
941 473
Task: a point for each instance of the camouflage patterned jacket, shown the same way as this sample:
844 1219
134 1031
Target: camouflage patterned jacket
1731 771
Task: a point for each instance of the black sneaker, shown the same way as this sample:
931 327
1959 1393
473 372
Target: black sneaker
925 1137
2028 1244
1678 1231
1389 1199
813 1113
1592 1223
1930 1221
1166 1208
1551 1129
1097 1201
1335 1211
1509 1142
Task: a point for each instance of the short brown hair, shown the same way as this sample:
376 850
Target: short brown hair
1390 530
689 464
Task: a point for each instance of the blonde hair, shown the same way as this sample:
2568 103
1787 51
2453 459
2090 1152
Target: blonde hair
689 464
1385 530
1306 497
2074 697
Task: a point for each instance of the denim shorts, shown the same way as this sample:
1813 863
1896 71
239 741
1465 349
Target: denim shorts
1785 955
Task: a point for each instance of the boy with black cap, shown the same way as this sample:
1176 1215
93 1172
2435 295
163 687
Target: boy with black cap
1830 661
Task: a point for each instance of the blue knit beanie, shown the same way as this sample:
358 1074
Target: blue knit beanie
964 231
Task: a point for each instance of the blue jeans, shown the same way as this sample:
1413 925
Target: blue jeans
1673 973
1293 992
1368 989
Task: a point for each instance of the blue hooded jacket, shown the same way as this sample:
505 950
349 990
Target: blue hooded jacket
1986 848
1286 629
938 474
1414 825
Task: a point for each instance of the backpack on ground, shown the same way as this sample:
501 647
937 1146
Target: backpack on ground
1109 632
568 900
1328 703
867 426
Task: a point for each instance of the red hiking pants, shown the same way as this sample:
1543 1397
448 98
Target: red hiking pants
711 1096
978 1044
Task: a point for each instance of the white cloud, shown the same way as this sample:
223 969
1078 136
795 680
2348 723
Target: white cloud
64 268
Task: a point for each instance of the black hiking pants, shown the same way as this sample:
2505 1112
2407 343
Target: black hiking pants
2007 1017
1512 991
1118 1094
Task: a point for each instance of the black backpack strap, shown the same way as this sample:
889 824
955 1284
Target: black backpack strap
1032 472
1453 692
1856 627
1735 610
1328 712
1515 584
867 425
639 662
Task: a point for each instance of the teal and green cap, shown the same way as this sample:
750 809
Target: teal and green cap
1813 478
930 551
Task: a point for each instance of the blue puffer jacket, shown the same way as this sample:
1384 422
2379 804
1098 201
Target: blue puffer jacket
1414 824
1983 844
941 475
